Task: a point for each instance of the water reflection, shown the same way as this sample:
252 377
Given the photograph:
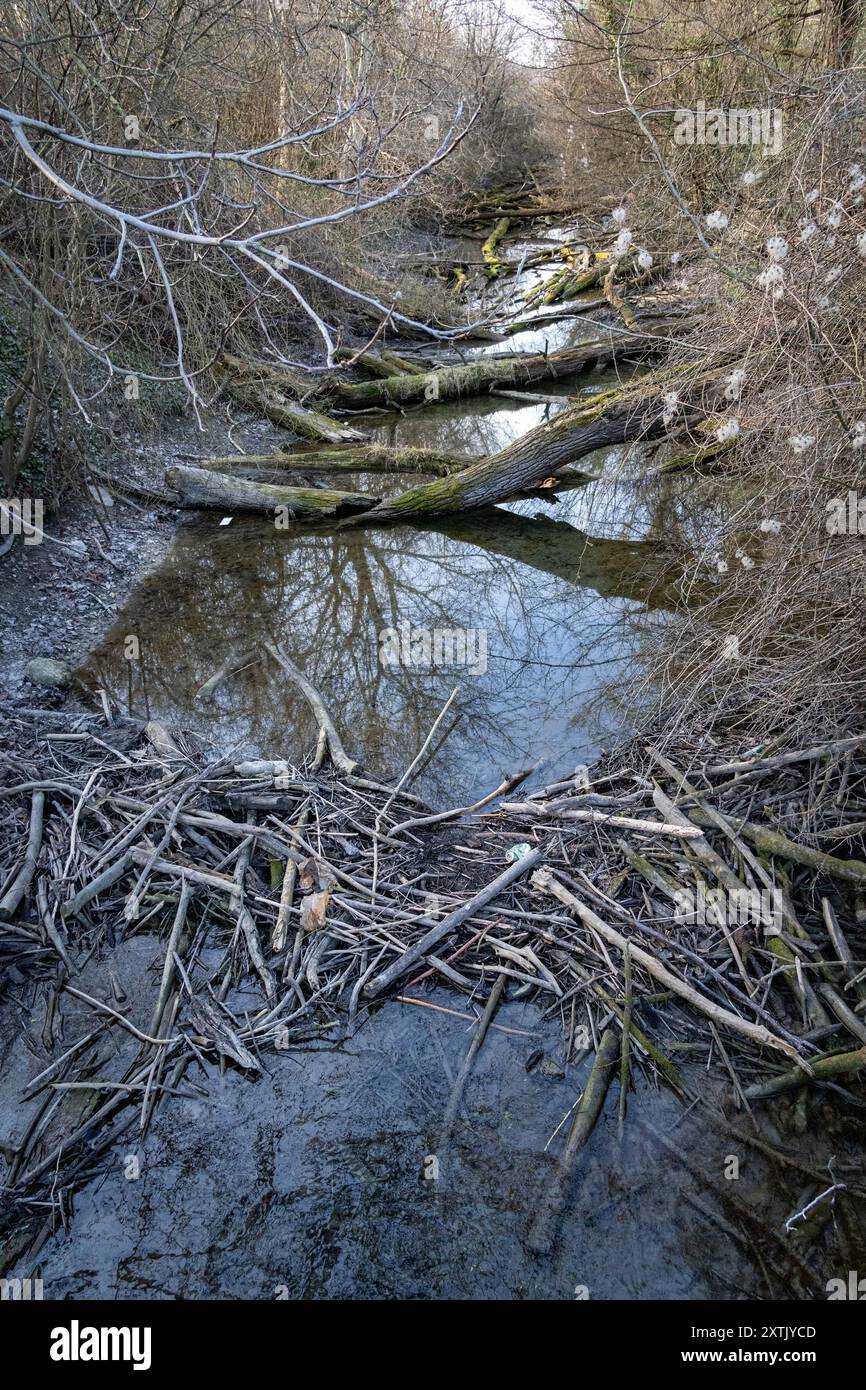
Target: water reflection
561 611
482 425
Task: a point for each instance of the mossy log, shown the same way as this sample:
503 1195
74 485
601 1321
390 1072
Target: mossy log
367 458
570 282
613 417
382 363
295 383
472 378
268 399
202 488
567 284
271 392
488 250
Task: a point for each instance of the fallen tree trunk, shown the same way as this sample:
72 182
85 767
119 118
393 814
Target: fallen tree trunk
492 262
199 487
368 458
522 211
381 363
269 400
271 393
629 413
571 281
471 378
616 417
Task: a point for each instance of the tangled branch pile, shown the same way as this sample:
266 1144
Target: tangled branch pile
288 899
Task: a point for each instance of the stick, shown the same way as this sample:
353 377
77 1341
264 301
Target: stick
451 923
544 1227
168 968
800 755
840 944
98 884
775 843
339 756
648 827
287 890
545 880
502 790
11 899
121 1018
403 781
469 1061
624 1048
205 691
823 1067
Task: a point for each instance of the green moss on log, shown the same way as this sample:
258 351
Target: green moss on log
493 264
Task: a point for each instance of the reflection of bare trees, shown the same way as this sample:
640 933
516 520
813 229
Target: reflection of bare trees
481 426
554 601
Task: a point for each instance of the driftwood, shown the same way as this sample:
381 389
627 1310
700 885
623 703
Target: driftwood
228 668
770 841
459 1087
823 1069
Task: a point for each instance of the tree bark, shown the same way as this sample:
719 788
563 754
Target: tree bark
451 383
615 418
199 487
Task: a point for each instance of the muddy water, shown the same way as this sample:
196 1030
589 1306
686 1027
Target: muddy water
310 1181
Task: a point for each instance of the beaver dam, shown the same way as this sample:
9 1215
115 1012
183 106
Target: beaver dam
587 923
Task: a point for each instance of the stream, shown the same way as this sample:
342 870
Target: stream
310 1182
550 598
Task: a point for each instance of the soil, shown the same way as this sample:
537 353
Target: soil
57 602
